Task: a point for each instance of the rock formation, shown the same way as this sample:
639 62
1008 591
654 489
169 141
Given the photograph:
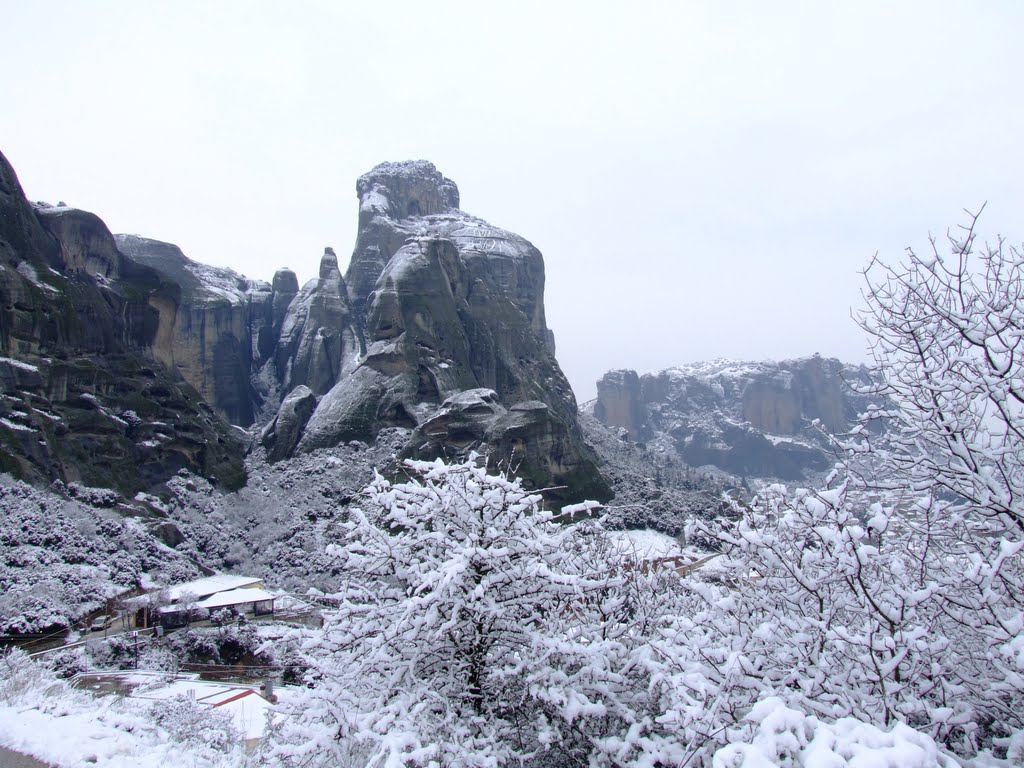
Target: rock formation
282 434
84 396
214 331
438 303
620 403
437 327
317 339
748 419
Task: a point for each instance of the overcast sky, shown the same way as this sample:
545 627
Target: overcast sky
704 179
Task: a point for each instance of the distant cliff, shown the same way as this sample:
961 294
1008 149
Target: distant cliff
747 419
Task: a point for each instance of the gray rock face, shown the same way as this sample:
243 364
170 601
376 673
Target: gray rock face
85 243
210 332
443 303
318 339
282 434
749 419
525 438
390 193
620 403
284 288
83 396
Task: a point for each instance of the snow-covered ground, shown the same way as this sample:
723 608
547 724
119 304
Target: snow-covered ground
53 722
171 722
161 723
648 545
645 544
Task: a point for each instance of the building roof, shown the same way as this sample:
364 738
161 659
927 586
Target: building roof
211 585
248 711
235 597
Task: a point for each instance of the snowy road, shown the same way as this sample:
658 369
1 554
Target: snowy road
9 759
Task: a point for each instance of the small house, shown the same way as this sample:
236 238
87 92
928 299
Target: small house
244 594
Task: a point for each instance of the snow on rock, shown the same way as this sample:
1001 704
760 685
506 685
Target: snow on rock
19 364
207 283
16 427
750 419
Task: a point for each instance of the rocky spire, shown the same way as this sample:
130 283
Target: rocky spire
285 287
329 265
317 335
445 303
405 189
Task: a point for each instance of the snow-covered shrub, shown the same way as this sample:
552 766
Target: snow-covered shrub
772 734
196 725
20 677
60 559
116 652
896 595
31 684
947 331
132 418
155 656
223 616
227 645
94 497
820 608
68 663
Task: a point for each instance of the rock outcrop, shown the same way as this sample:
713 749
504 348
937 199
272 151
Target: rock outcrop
748 419
434 303
317 339
620 403
84 396
215 330
282 434
441 303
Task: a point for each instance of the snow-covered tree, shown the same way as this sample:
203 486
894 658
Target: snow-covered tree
448 578
948 338
895 596
947 335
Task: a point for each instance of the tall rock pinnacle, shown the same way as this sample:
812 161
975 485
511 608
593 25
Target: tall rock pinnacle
436 303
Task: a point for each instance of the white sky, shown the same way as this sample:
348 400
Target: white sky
704 179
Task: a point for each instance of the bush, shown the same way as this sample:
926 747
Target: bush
195 725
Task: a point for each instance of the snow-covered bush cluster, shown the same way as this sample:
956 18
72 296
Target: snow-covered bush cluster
773 734
279 525
475 628
196 726
225 645
62 558
23 682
